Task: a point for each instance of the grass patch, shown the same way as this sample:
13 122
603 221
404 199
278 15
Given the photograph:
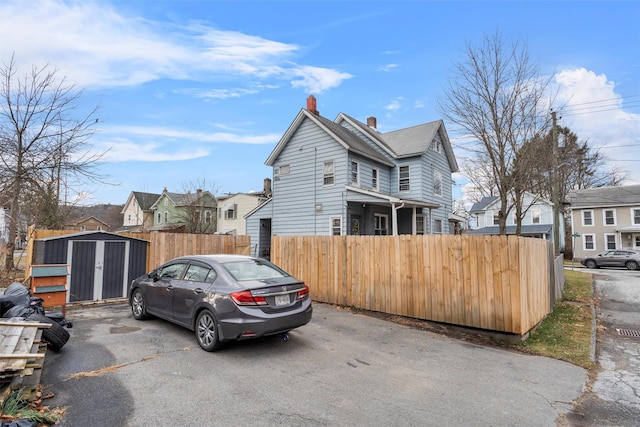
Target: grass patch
18 407
565 334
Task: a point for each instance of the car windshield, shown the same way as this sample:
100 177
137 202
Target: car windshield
253 270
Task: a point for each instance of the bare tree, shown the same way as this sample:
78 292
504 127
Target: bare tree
498 98
197 209
42 143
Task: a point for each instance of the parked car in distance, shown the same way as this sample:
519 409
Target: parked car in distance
222 298
613 258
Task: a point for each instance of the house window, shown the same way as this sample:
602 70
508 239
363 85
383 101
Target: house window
420 224
129 217
589 243
99 228
374 179
230 212
380 225
535 216
496 218
609 217
610 241
197 217
207 217
327 176
355 177
436 145
437 183
82 228
587 218
283 170
403 181
336 226
437 226
166 217
635 216
159 218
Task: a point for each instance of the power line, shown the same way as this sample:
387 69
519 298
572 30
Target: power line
605 100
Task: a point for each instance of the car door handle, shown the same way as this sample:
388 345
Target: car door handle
170 287
198 291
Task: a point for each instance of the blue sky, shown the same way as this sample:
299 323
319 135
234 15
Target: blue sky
203 90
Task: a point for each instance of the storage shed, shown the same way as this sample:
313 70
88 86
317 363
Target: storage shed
101 264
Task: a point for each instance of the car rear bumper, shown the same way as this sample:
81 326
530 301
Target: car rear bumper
254 323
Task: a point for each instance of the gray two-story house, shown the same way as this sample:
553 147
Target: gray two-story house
345 177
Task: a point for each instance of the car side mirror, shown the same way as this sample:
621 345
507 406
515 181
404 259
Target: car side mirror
153 275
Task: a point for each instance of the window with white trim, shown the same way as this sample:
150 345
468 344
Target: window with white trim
609 217
436 145
536 214
587 218
437 226
230 212
496 218
403 178
159 217
589 242
610 241
166 217
197 217
437 183
207 217
336 226
374 179
380 224
283 170
355 176
635 216
327 174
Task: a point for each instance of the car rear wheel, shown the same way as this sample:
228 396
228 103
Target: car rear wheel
207 331
591 264
137 306
631 265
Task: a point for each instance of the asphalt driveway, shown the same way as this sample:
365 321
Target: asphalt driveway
342 369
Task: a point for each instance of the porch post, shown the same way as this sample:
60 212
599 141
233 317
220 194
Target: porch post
413 222
394 220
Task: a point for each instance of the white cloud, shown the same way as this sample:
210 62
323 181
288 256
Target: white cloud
94 45
394 105
187 135
595 112
388 67
121 150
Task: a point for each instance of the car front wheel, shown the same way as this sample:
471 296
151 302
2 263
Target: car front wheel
591 264
207 331
631 265
137 306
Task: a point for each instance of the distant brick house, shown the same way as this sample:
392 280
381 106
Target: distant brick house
88 224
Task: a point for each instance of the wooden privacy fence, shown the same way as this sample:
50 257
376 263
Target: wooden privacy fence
499 283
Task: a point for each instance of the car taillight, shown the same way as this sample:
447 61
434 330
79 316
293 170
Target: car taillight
245 298
303 293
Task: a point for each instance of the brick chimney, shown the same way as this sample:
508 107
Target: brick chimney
311 105
372 122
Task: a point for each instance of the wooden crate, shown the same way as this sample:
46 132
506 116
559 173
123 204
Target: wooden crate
49 282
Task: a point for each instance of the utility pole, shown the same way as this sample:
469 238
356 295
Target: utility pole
556 185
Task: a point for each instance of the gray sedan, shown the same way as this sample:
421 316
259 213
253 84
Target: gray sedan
613 258
222 298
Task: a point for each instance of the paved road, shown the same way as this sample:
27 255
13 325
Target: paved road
342 369
614 398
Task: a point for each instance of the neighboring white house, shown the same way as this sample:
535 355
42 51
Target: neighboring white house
605 218
536 222
138 216
233 208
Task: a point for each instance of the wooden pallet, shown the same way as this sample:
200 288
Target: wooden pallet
22 353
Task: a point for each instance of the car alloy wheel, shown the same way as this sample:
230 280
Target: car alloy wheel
137 306
206 331
591 264
631 265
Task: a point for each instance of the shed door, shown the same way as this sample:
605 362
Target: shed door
82 261
98 270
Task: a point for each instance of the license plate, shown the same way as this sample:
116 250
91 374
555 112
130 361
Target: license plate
282 300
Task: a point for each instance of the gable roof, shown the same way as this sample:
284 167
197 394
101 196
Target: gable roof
184 199
145 200
342 135
408 142
605 196
483 204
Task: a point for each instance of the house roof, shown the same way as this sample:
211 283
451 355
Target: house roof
184 199
145 200
605 196
90 218
483 204
511 229
408 142
342 135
